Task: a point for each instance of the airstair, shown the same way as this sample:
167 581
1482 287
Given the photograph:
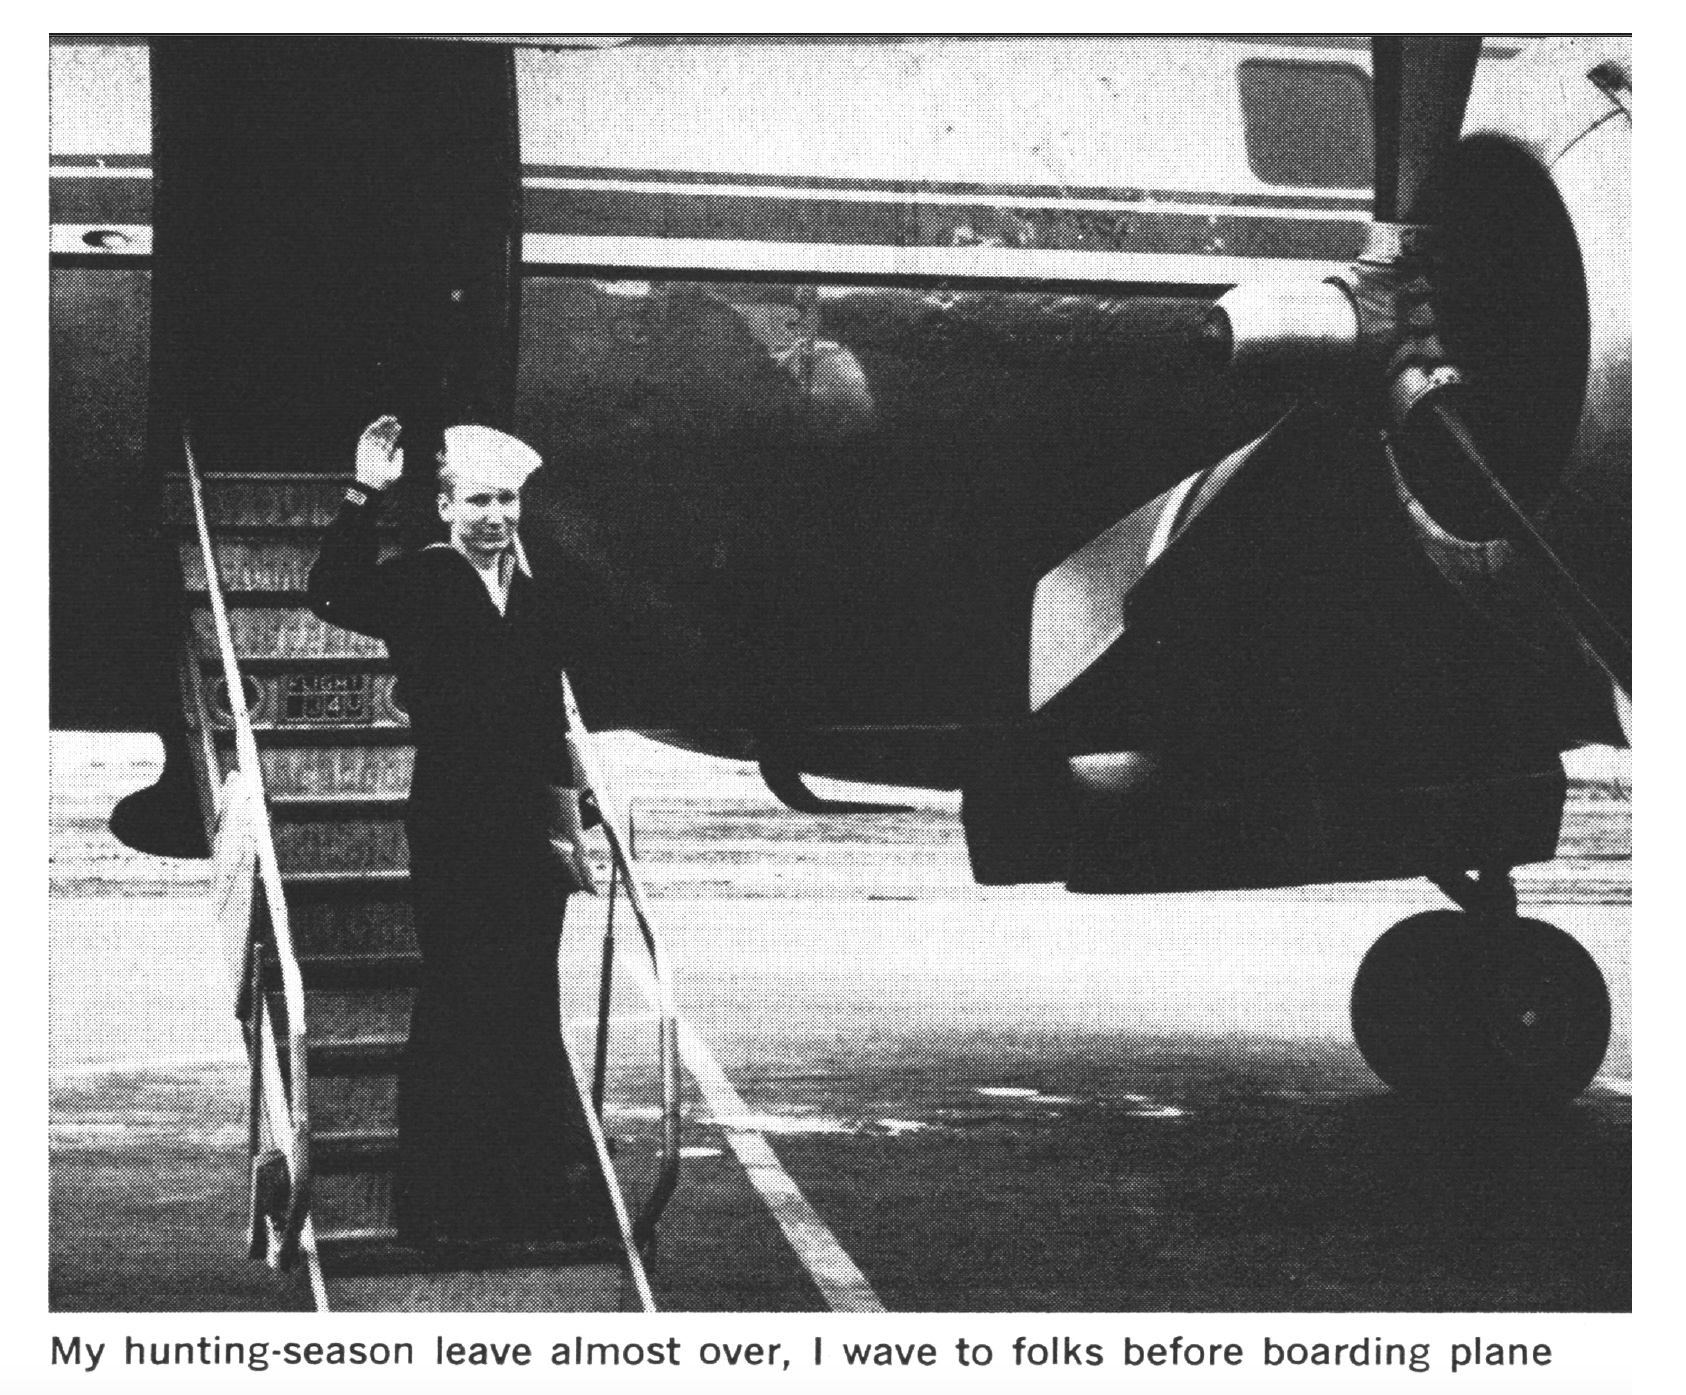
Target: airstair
303 758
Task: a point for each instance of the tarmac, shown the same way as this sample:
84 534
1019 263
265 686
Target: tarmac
991 1099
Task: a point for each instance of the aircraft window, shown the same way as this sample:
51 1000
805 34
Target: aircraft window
1308 124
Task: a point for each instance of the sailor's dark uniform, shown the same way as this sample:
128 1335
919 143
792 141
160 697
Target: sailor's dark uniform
490 1128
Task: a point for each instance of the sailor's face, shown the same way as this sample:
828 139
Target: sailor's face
482 515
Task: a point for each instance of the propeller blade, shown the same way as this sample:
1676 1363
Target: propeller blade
1078 612
1602 641
1421 85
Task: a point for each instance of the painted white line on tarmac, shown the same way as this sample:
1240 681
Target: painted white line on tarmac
840 1281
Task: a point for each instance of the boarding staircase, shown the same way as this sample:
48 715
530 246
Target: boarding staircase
303 758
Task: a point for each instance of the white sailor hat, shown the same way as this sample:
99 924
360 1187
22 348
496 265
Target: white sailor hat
486 455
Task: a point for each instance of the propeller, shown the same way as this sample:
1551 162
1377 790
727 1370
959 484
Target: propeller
1376 326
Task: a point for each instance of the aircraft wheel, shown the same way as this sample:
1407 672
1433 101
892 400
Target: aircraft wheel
1450 1006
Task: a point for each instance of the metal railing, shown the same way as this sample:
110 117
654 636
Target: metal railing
625 873
246 863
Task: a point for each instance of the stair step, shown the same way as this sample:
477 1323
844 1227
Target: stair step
379 1251
353 1102
310 808
281 632
254 563
355 927
359 1056
373 884
354 1150
352 1200
346 973
303 663
261 500
250 598
380 771
346 1016
318 735
340 845
287 706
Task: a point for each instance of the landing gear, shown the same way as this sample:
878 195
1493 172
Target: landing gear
1481 1004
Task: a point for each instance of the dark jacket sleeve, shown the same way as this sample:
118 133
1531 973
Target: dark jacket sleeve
348 587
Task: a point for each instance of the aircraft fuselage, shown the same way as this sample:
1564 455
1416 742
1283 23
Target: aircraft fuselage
833 349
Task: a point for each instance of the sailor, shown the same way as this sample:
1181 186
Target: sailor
492 1140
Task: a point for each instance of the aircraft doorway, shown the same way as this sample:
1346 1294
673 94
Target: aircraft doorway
333 241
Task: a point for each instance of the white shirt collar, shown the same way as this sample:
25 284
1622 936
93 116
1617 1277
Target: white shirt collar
521 558
496 577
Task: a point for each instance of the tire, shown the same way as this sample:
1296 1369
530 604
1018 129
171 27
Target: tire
1448 1006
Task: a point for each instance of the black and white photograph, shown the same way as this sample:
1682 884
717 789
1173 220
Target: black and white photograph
842 674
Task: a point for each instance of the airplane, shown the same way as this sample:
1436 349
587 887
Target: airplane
1211 456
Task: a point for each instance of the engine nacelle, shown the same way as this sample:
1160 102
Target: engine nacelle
1526 245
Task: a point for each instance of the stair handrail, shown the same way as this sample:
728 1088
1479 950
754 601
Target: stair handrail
614 829
296 1104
